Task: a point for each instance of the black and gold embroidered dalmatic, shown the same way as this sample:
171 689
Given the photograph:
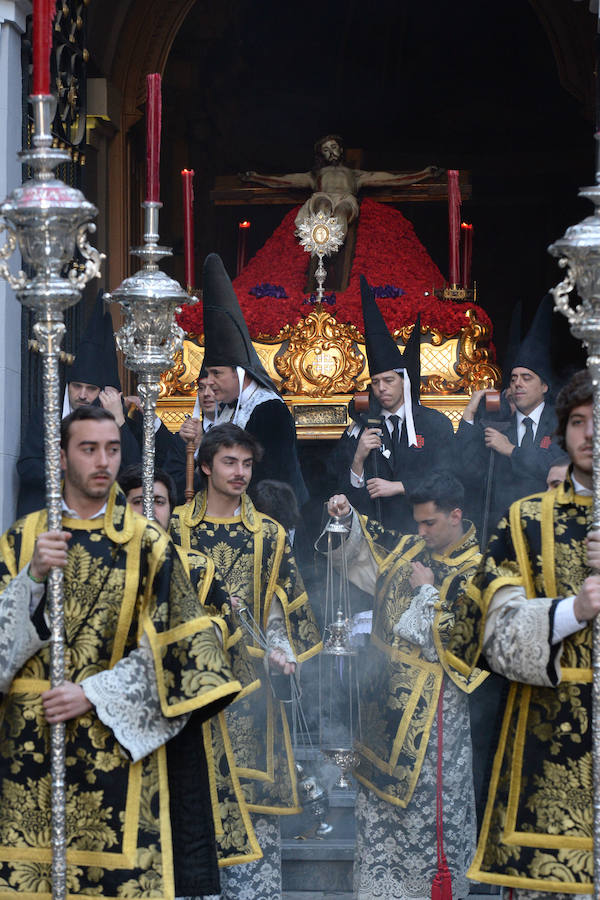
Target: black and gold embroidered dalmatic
233 829
537 829
253 557
146 654
399 703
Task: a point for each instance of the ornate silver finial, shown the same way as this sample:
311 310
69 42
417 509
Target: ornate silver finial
150 336
48 220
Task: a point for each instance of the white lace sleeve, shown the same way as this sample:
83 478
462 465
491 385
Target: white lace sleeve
126 700
277 637
19 639
516 641
416 623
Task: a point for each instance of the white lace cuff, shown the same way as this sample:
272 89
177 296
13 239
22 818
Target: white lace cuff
126 701
415 624
19 639
516 641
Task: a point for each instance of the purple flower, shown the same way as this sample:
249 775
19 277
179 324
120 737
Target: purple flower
268 290
327 298
389 290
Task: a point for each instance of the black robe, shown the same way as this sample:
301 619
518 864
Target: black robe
410 465
32 461
273 427
518 475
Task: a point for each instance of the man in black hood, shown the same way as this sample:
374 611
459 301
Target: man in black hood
245 394
385 452
522 445
92 380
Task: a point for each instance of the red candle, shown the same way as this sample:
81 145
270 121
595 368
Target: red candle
241 249
187 178
467 253
43 14
454 202
153 112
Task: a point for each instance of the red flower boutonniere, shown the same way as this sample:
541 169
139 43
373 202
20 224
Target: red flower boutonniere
420 441
545 442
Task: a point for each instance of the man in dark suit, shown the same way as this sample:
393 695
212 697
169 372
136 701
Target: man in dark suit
386 451
523 444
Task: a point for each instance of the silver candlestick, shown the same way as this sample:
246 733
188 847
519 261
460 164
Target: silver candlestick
579 253
48 220
150 336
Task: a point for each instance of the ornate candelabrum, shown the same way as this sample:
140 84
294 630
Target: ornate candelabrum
579 253
339 701
321 235
48 220
150 336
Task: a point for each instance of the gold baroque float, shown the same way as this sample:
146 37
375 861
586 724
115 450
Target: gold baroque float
319 363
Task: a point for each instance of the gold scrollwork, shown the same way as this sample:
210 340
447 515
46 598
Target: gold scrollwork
321 358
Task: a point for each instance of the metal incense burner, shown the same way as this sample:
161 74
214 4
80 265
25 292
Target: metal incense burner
49 222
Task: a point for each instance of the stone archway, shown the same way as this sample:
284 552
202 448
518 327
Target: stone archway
138 42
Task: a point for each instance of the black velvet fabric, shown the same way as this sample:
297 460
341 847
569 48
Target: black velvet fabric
512 477
194 849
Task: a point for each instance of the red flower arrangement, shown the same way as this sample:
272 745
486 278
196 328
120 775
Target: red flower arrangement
387 251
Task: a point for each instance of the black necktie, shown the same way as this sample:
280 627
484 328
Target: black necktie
527 441
395 434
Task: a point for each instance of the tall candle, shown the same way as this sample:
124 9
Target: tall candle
153 114
43 14
241 248
467 253
187 178
454 201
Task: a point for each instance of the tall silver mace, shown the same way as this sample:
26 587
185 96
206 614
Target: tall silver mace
579 253
150 336
48 220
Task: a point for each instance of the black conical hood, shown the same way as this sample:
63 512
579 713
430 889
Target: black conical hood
383 354
513 343
96 357
534 352
226 337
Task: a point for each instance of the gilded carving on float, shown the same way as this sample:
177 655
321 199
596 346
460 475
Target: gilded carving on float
320 360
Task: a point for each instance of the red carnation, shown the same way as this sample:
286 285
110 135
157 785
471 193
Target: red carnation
545 442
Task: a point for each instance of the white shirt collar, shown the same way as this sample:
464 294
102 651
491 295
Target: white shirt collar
535 415
580 489
72 514
400 412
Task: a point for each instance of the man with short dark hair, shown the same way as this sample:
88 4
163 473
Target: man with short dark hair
141 655
385 452
188 753
528 611
252 555
522 446
411 704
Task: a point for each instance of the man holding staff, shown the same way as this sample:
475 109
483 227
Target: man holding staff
529 612
141 655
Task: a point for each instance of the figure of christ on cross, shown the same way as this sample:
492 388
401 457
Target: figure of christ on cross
335 186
